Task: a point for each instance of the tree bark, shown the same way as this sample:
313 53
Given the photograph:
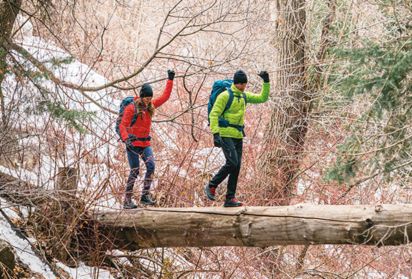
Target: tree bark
303 224
7 258
67 182
284 137
9 10
257 226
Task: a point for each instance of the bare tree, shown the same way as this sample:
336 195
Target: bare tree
284 137
8 14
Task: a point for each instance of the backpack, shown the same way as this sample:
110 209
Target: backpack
125 102
218 87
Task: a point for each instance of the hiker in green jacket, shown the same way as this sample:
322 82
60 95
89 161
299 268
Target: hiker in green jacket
227 130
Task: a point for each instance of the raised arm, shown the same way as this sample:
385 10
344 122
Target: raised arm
252 98
264 93
157 102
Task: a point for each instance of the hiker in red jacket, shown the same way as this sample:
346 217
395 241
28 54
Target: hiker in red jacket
137 138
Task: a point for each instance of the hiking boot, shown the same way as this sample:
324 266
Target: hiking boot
210 192
233 202
146 199
129 204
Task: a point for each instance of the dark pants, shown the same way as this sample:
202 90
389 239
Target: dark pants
133 155
232 148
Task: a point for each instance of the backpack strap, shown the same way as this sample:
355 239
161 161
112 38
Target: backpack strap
231 97
134 118
230 101
225 123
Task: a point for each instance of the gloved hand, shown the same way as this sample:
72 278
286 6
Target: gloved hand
170 74
264 75
217 140
129 141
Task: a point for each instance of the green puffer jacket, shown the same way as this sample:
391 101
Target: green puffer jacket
235 114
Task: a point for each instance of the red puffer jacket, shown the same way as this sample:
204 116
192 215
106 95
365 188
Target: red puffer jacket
141 128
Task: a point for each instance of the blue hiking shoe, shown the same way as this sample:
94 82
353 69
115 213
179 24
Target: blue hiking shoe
210 192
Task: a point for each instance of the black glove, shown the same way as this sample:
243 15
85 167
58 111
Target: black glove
217 140
264 75
129 141
170 74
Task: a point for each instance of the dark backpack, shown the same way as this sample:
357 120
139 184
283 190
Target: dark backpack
220 86
125 102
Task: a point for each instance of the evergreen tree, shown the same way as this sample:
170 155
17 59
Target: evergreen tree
376 76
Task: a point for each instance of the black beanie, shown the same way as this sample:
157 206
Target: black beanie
146 91
240 77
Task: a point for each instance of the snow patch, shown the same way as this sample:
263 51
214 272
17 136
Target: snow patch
23 250
83 272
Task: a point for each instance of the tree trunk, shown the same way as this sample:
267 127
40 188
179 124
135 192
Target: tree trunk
65 209
8 13
258 226
7 258
245 226
286 132
66 184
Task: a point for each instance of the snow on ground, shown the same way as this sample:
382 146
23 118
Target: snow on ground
21 246
100 141
84 272
26 255
22 174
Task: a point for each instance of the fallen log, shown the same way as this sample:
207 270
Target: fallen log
245 226
258 226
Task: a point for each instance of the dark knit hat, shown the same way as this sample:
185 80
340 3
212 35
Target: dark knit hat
146 91
240 77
